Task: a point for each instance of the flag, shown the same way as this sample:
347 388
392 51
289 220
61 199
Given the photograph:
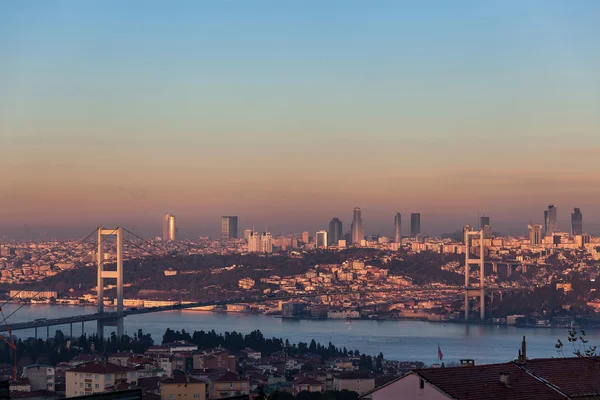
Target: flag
440 355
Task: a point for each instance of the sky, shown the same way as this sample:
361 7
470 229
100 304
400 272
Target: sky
288 114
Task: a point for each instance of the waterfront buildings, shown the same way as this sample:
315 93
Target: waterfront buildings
358 231
576 222
398 228
415 224
229 227
334 233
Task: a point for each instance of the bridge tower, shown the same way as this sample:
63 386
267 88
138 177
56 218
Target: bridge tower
118 275
474 291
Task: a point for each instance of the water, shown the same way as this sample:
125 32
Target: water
397 340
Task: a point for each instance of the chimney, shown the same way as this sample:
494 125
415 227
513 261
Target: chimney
505 379
522 359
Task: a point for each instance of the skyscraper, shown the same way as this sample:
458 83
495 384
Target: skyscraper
229 227
266 242
484 225
415 224
169 228
535 234
576 222
321 239
247 234
398 228
552 226
334 234
546 223
253 242
358 232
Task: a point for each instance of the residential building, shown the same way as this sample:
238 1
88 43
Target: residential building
398 228
354 382
358 231
41 377
415 224
307 384
334 234
576 222
266 243
227 384
182 387
97 377
215 360
321 239
229 227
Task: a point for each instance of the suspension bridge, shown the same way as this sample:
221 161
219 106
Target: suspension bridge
115 318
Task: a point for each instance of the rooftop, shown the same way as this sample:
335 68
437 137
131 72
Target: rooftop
101 368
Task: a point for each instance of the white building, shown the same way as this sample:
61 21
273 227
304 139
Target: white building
97 377
41 377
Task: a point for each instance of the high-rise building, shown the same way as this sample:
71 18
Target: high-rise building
484 225
552 226
415 224
535 234
398 228
334 233
169 228
266 242
545 223
321 239
358 231
253 241
247 233
305 237
576 222
229 227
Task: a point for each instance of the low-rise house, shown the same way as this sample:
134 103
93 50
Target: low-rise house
307 384
182 387
354 382
227 384
542 379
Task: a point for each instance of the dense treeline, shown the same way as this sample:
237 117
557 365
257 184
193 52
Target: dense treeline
60 348
255 340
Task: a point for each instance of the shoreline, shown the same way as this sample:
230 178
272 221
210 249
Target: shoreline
308 318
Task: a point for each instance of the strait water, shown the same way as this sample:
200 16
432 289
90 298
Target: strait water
397 340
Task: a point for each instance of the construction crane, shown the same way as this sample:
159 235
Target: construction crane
10 342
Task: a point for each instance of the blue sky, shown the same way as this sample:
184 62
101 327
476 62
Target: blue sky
222 107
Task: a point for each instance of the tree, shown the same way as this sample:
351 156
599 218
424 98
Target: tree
579 343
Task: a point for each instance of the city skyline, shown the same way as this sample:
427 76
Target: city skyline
453 87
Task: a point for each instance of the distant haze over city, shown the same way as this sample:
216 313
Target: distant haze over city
192 225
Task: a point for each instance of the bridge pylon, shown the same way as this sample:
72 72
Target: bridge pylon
474 291
118 275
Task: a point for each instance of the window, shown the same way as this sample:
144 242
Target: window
421 384
108 377
88 376
96 376
96 386
172 397
196 395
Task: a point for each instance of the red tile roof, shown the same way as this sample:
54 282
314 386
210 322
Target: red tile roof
574 376
229 377
101 368
483 383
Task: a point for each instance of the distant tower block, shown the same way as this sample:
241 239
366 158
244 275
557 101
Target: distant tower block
474 291
118 275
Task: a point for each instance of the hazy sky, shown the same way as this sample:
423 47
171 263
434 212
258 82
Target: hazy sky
288 113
